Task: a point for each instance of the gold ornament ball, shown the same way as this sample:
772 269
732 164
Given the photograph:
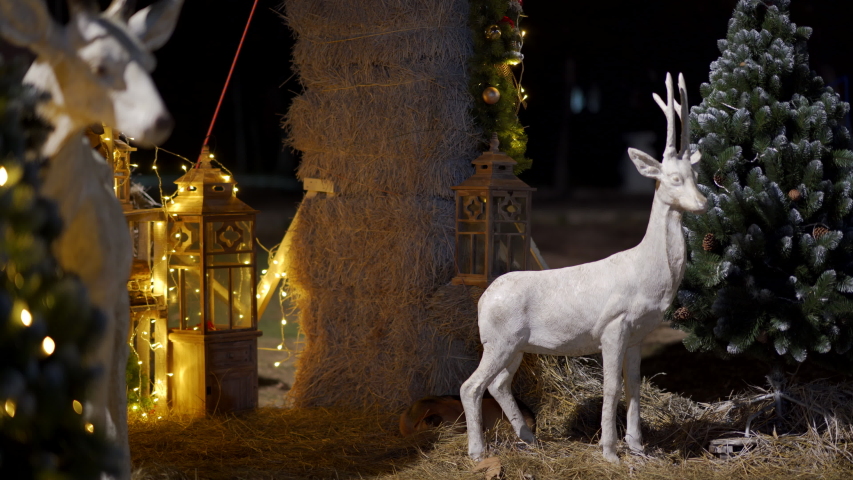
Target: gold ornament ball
491 95
493 32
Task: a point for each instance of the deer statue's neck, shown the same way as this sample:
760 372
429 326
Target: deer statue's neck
664 240
66 123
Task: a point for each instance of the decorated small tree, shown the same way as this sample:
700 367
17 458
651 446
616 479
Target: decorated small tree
770 270
46 323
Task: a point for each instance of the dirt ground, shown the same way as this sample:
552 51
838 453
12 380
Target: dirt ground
588 227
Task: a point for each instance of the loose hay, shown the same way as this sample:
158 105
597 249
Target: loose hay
340 443
385 116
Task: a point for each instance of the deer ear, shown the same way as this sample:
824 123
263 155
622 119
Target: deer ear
154 24
695 157
27 23
646 165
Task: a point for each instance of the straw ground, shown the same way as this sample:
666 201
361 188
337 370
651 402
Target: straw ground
309 443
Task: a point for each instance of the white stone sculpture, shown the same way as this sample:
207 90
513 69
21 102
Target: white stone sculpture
607 306
96 69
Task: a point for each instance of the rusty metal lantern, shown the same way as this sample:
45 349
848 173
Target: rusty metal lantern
211 294
492 220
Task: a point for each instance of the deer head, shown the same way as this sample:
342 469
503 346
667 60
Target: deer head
97 67
676 180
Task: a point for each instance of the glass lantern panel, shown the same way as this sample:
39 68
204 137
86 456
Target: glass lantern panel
241 299
509 208
477 227
229 259
518 253
500 261
463 253
510 227
218 286
183 261
478 254
191 290
184 237
471 207
228 236
173 300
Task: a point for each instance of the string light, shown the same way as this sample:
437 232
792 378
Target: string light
283 321
26 317
4 176
90 428
48 345
10 407
78 407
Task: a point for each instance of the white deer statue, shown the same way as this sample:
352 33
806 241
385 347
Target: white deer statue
607 306
96 69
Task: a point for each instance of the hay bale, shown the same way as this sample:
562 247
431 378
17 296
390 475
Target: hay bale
385 116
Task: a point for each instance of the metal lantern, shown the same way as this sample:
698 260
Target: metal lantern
492 220
211 294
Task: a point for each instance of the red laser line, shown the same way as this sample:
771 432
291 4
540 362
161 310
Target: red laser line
228 79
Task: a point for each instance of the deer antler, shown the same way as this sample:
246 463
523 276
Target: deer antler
670 109
121 9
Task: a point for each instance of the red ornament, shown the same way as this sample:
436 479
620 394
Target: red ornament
508 20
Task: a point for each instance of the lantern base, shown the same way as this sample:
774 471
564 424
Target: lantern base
214 373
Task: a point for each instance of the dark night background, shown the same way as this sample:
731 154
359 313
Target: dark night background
590 70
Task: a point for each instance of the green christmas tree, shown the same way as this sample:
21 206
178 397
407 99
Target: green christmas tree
46 322
770 267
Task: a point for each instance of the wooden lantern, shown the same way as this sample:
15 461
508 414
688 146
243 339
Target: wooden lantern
492 220
211 294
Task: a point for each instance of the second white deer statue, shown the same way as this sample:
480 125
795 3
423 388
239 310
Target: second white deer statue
607 306
96 69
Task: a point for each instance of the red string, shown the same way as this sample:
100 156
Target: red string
228 80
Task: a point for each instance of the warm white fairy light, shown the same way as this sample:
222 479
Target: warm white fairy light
78 407
48 345
284 321
90 428
4 176
10 407
26 317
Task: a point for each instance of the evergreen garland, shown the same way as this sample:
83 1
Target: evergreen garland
490 67
42 432
776 281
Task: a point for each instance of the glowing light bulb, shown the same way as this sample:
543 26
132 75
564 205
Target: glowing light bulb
4 176
283 321
10 407
210 156
276 364
280 346
258 295
78 407
139 363
275 262
135 407
523 33
48 345
263 272
26 317
226 177
184 168
90 428
246 262
107 139
154 167
283 294
170 374
235 189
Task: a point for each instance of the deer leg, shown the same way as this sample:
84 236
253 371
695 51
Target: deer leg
613 353
493 362
501 390
631 378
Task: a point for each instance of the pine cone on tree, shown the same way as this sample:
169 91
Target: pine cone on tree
794 195
709 243
682 314
819 231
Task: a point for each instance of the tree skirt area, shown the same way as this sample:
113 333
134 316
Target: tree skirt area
813 442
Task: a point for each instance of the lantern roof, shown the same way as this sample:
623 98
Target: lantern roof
493 171
205 189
